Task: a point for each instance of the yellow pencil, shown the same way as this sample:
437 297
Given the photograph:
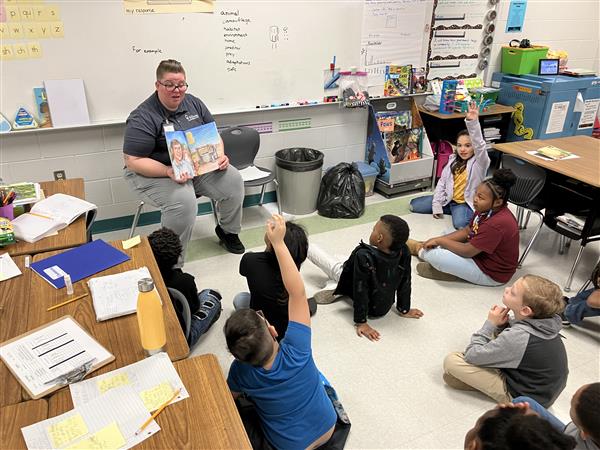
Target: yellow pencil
40 215
66 302
157 412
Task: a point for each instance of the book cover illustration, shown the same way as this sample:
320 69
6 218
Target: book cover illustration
419 80
553 152
403 145
196 151
45 120
397 80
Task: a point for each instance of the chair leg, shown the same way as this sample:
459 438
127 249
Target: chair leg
530 244
262 195
527 219
561 244
585 286
570 279
136 218
215 212
520 217
277 194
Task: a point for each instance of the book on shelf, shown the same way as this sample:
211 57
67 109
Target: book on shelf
41 101
419 80
49 216
403 145
195 151
397 80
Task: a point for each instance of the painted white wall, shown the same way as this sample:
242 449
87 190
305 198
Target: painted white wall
95 153
571 25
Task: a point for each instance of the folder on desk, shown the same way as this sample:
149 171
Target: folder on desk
79 262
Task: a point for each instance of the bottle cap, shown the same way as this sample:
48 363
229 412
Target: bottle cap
145 285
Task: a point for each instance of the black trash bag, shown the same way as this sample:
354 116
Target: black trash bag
342 193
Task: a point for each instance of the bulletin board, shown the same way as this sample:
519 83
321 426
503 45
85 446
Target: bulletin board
244 54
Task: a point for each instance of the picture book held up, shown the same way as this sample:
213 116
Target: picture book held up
195 151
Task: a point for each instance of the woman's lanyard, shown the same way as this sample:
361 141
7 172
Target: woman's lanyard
476 222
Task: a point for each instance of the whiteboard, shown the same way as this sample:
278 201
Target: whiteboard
244 54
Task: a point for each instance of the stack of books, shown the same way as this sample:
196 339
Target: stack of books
491 135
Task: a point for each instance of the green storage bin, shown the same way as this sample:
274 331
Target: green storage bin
522 61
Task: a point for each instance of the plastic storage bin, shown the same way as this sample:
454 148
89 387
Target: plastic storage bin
299 177
521 61
369 174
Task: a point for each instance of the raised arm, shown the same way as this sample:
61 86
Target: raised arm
297 304
482 160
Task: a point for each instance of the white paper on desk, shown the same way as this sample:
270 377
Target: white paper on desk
8 268
141 376
51 352
252 173
546 158
116 295
120 405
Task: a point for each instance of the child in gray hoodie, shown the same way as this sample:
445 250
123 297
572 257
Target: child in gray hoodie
508 358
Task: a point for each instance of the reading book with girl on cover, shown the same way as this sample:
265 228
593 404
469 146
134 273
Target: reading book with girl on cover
195 151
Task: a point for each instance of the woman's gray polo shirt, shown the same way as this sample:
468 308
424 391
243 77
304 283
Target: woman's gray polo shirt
144 134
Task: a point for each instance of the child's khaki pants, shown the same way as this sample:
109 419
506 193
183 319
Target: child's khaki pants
459 374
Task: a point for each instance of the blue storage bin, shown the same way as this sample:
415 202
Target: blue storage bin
545 104
369 174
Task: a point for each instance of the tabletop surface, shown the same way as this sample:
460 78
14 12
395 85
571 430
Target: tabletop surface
585 168
494 109
207 419
15 417
14 307
71 236
119 335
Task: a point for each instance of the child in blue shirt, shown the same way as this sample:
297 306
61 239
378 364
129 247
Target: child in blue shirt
281 378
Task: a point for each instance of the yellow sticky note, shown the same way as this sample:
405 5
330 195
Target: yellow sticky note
154 397
25 13
3 31
44 29
35 49
52 12
12 13
108 383
109 437
6 52
131 242
57 29
30 30
15 31
20 51
61 433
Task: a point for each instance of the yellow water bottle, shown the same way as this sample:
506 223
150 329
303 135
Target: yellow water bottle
150 318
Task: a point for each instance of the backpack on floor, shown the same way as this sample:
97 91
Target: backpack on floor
442 150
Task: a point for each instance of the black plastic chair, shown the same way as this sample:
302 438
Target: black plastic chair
525 192
241 146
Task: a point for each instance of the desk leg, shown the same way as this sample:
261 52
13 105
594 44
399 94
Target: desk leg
570 279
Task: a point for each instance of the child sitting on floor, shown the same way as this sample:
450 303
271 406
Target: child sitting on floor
585 418
584 304
267 293
373 276
281 378
205 307
486 252
511 428
522 356
464 171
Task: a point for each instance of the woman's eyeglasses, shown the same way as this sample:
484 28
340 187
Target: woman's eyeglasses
171 87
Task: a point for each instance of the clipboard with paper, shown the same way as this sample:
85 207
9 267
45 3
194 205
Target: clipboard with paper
52 356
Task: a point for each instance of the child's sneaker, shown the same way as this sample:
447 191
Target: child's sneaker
563 318
426 270
325 297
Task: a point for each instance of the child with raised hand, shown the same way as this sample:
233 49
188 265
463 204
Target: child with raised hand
485 252
281 378
585 418
465 170
373 276
513 428
523 356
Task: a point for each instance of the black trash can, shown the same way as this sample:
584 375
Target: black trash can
299 177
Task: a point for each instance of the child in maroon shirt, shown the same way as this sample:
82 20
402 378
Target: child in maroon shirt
485 252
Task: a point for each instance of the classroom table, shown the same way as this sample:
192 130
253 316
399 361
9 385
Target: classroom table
14 307
73 235
119 335
585 169
15 417
207 419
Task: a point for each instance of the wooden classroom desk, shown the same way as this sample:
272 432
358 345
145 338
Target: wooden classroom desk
71 236
586 168
207 419
14 417
119 335
14 307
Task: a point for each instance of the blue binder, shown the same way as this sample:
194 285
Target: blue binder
79 262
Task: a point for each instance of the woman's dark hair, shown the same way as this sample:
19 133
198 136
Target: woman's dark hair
296 241
459 164
398 229
500 184
166 246
587 410
509 429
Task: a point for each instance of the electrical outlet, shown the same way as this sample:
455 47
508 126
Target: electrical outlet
59 175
